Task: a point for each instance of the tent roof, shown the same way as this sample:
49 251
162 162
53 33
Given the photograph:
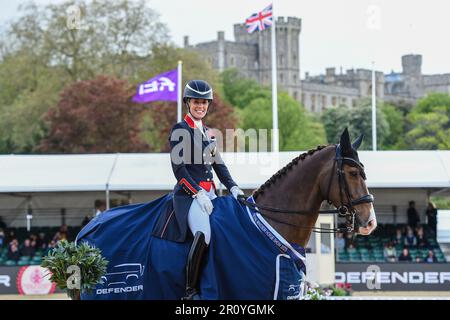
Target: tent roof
152 171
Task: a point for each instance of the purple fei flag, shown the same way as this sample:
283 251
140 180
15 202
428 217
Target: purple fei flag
163 87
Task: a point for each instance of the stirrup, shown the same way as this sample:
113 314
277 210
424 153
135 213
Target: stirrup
191 294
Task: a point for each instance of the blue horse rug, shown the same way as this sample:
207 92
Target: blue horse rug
246 259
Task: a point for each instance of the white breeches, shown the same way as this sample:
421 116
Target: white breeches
198 220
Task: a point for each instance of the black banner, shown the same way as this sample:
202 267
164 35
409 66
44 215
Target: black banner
27 280
394 276
8 276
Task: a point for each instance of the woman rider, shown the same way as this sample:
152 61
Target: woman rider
193 155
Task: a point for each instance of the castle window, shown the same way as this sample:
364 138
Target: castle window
333 101
281 59
295 95
303 98
281 78
324 102
232 61
294 78
354 102
313 103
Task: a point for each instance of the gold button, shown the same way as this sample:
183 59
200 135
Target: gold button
208 179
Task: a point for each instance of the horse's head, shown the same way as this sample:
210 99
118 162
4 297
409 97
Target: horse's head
344 182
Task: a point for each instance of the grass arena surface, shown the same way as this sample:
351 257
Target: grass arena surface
361 295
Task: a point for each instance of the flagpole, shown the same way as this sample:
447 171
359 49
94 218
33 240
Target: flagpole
275 147
374 110
180 67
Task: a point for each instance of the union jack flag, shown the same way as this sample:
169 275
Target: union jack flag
260 20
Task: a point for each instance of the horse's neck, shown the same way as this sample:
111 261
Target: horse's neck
298 190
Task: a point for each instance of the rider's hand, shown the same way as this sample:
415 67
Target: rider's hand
204 201
236 192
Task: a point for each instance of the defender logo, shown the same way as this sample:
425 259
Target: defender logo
5 280
123 274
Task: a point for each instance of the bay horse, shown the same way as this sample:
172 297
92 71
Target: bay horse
257 244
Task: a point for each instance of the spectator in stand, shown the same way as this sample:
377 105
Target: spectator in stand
2 237
351 248
431 213
100 206
11 236
40 242
398 238
430 258
390 254
349 240
13 253
421 240
64 232
50 246
27 249
405 256
418 259
410 239
85 221
340 241
413 215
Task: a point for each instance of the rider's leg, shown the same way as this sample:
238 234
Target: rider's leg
198 222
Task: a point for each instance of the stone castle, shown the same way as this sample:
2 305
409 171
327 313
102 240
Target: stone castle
251 55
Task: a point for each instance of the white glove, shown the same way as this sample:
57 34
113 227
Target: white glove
204 202
236 192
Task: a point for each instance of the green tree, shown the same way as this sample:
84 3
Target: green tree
95 116
430 123
358 120
47 48
240 91
298 131
87 38
395 139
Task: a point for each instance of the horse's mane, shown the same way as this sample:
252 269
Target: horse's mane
284 170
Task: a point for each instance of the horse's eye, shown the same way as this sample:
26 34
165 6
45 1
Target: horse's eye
354 173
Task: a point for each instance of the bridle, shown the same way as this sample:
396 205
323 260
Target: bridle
346 208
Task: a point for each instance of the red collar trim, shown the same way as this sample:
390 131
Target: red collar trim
191 122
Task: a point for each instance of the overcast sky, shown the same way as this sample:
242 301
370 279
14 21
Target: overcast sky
335 33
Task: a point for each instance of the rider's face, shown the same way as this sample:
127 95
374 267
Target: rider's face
198 108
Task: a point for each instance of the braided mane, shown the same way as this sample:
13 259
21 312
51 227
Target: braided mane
284 170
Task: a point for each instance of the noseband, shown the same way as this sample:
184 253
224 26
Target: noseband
346 208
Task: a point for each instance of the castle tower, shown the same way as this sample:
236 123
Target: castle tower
288 66
412 64
412 75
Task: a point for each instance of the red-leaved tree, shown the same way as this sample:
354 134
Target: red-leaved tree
95 116
220 116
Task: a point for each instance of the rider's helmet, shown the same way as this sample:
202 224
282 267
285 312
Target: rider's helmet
197 89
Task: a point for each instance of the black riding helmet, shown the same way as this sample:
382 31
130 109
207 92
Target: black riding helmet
197 89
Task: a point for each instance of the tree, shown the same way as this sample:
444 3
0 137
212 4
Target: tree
358 120
49 47
95 116
28 90
298 131
161 116
396 119
430 123
240 91
87 38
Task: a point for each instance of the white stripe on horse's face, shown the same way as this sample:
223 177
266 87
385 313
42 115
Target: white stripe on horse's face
371 225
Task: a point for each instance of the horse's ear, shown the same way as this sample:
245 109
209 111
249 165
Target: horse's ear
358 142
346 147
